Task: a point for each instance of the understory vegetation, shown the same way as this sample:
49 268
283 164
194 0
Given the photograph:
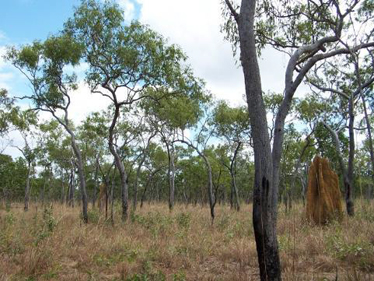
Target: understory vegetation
49 243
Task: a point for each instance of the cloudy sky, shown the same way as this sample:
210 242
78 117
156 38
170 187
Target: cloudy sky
192 24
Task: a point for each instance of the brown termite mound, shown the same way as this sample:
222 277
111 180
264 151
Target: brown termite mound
323 196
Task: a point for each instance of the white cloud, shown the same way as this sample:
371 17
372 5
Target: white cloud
195 26
83 102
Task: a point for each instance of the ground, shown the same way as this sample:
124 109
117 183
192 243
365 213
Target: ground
155 244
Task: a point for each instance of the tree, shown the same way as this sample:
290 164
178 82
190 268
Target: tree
44 64
124 62
23 123
310 32
233 125
92 133
13 174
348 83
8 113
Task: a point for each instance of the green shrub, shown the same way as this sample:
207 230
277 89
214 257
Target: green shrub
184 220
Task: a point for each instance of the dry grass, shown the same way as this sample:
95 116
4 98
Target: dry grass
158 245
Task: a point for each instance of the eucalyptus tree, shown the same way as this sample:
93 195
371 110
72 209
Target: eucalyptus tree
155 165
7 111
44 65
13 174
169 116
232 124
348 83
200 144
309 32
145 134
92 133
124 61
57 158
25 122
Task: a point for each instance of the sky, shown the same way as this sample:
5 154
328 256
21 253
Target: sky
194 25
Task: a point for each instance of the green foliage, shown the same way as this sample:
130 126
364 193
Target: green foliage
43 64
47 225
128 56
358 251
93 216
156 222
13 175
232 123
290 24
8 112
184 220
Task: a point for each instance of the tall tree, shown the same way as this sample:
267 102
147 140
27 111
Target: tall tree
44 65
24 122
348 83
233 125
124 61
309 32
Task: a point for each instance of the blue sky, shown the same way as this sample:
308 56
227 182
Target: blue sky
23 21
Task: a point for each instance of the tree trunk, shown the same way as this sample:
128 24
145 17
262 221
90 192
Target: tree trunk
27 187
346 174
349 183
111 200
96 187
138 171
211 197
119 165
265 191
62 197
171 173
71 189
296 172
234 188
370 138
82 180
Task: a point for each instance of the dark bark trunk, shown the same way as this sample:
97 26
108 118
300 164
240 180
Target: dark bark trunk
171 174
111 200
234 189
265 190
349 184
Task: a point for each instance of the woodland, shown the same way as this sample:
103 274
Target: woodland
170 183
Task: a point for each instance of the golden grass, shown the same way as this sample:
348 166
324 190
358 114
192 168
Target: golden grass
158 245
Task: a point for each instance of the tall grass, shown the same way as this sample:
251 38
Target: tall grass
154 244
